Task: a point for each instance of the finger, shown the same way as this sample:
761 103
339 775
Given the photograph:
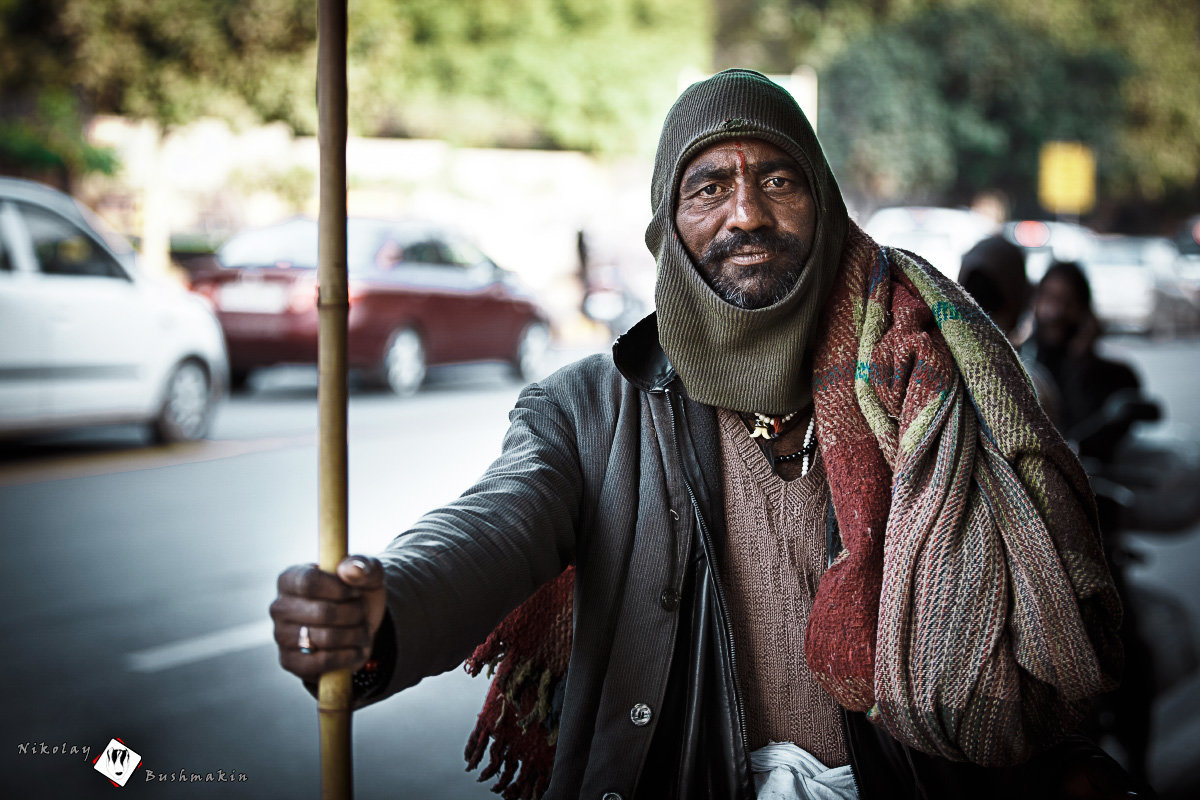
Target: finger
363 572
311 666
306 580
287 636
302 611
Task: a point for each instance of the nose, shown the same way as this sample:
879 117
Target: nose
750 209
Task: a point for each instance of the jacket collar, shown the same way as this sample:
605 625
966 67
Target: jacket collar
640 358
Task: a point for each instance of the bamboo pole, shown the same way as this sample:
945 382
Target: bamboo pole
334 695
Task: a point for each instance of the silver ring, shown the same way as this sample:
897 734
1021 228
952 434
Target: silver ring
305 642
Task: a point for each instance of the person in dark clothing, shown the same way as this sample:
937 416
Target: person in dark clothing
805 532
1063 341
993 272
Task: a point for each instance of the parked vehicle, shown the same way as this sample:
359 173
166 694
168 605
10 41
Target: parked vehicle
85 338
1127 274
940 235
419 296
1178 287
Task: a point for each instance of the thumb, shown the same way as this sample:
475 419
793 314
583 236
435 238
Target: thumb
363 572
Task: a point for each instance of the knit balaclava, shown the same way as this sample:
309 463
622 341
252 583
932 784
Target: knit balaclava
746 360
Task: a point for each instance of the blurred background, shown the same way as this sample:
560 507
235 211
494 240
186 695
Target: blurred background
158 187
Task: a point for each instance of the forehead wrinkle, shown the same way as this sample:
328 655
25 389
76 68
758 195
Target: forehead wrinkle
775 165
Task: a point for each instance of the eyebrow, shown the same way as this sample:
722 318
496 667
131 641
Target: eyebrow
706 173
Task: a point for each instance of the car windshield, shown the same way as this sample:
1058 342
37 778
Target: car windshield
293 244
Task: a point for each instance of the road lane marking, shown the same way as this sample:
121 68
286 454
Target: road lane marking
201 648
96 464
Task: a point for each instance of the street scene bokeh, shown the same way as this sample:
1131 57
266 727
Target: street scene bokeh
158 315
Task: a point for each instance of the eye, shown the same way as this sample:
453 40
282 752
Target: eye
777 182
710 190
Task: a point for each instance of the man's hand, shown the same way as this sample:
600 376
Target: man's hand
340 614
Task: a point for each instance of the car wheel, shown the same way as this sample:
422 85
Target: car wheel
531 358
187 405
404 363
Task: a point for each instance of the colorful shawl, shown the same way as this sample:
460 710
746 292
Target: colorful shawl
970 613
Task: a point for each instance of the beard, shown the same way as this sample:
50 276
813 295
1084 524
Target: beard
758 285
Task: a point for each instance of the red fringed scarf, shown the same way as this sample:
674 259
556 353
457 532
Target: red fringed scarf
528 652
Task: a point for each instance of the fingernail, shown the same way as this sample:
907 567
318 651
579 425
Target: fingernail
358 562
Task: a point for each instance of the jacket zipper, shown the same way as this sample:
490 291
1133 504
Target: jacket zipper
708 549
850 749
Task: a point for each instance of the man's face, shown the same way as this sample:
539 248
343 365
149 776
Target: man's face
1058 310
747 217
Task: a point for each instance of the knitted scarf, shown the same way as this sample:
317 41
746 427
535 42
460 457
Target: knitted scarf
971 612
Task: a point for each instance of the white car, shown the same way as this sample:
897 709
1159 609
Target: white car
939 235
1125 273
85 338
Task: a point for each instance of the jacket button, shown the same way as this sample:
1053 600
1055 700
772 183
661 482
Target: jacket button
669 599
611 796
640 714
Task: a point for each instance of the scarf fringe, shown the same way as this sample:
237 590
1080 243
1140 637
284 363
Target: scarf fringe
526 657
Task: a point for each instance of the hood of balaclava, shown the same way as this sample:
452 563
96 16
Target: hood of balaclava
743 359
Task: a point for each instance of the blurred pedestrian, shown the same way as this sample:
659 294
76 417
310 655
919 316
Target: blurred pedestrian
692 531
993 273
1063 342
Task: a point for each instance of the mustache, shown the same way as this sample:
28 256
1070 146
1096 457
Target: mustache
771 241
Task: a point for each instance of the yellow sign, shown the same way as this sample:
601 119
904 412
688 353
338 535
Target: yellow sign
1067 178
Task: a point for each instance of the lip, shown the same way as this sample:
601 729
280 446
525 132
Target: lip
749 258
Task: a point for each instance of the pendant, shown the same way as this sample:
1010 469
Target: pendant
765 427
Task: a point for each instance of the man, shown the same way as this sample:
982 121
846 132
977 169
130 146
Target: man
1063 343
806 526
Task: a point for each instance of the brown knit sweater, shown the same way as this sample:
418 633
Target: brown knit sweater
771 562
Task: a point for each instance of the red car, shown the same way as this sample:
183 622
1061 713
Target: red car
419 296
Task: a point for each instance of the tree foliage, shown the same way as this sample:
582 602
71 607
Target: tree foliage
1154 149
551 73
169 61
932 113
1159 130
950 102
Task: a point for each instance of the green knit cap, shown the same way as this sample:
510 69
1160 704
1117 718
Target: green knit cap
747 360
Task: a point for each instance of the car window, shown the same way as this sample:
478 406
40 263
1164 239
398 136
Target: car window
426 251
288 244
463 254
61 248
